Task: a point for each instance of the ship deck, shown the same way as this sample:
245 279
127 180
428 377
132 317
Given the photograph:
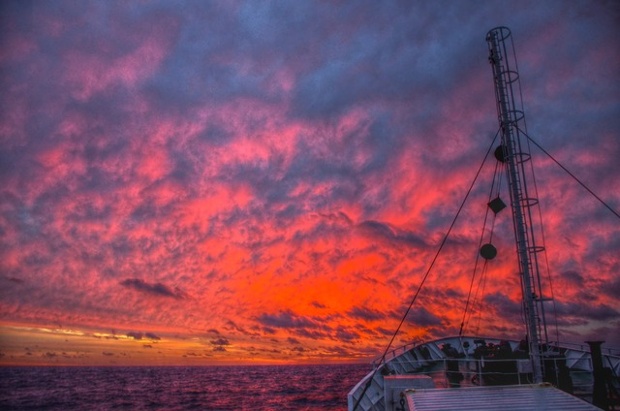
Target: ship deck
506 398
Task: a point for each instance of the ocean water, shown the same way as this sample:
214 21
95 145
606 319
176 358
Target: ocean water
290 387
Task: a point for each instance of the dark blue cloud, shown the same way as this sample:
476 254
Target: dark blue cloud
420 316
285 319
385 232
587 310
366 314
156 289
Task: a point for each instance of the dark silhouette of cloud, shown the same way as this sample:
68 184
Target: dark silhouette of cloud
285 319
135 335
366 314
152 336
387 233
220 341
157 289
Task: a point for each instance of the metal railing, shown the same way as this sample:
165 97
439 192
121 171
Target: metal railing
396 352
613 351
464 372
470 371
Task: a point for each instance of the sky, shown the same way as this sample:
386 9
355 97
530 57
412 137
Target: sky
204 182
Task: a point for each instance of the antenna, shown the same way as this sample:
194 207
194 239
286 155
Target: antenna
513 153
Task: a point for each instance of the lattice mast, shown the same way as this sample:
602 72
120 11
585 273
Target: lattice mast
514 155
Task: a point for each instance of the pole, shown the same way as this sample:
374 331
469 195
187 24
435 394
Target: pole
507 93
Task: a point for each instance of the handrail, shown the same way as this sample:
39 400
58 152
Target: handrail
475 367
395 352
470 371
413 344
613 351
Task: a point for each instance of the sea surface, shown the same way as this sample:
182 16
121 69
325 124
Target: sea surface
285 387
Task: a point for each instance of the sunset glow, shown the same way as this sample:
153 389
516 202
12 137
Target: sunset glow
267 182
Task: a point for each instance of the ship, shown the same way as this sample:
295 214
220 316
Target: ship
471 372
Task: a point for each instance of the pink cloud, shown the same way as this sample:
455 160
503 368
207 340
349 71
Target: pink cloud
168 177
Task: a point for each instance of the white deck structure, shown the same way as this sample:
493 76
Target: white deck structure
505 398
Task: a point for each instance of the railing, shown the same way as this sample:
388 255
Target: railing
398 351
429 358
394 353
471 371
613 351
467 372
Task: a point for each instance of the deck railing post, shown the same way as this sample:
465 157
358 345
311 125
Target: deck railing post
599 391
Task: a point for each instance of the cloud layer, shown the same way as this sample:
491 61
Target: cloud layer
245 181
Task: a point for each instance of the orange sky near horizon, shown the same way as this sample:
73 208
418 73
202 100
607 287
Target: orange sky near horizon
216 184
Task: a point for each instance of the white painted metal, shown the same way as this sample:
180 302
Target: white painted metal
505 398
395 385
578 361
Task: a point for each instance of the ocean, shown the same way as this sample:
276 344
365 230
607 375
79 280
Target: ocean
261 388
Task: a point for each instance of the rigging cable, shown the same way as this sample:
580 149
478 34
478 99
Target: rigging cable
483 276
540 219
415 296
481 283
544 245
572 175
473 277
530 139
555 308
542 230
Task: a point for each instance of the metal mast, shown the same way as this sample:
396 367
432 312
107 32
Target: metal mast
513 153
